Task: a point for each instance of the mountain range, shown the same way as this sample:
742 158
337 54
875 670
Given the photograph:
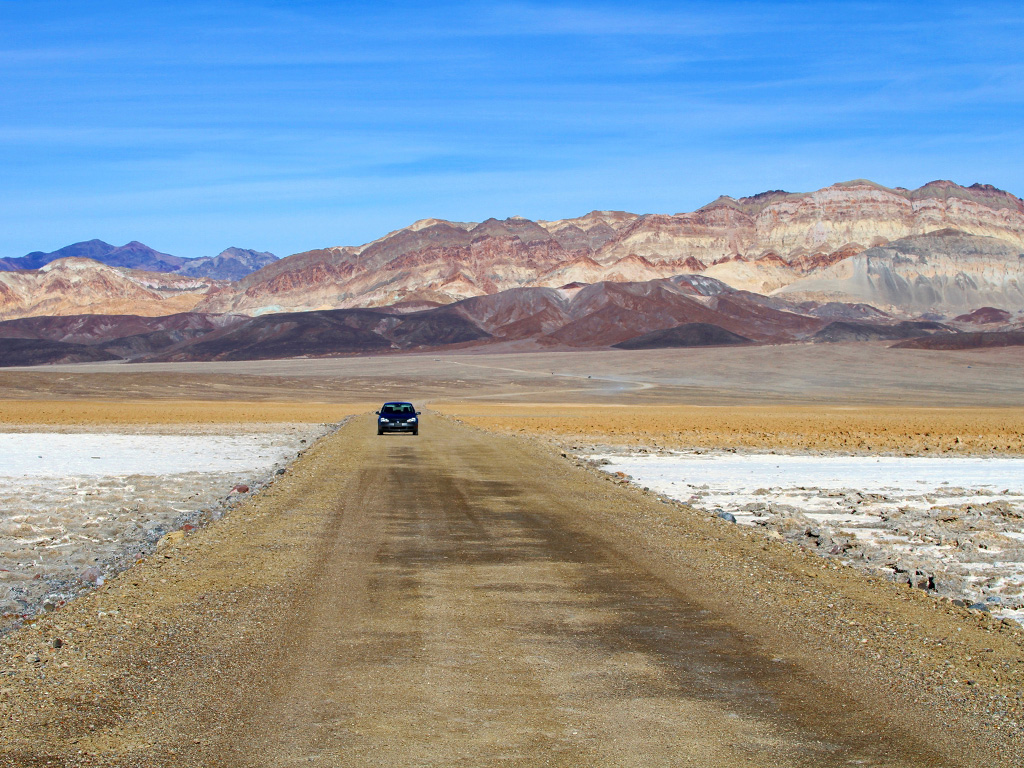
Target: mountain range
853 261
73 286
772 241
686 310
229 264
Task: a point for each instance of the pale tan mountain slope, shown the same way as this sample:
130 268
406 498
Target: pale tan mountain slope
760 243
83 286
946 271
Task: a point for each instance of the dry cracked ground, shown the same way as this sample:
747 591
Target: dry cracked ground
464 598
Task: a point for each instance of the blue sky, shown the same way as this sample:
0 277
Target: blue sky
286 126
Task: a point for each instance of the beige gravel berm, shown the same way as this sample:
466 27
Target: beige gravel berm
466 598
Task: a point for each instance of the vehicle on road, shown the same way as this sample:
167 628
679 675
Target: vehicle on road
398 417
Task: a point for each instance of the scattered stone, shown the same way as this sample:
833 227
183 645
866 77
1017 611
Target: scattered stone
91 575
242 487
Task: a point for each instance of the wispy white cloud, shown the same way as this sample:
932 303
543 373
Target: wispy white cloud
273 114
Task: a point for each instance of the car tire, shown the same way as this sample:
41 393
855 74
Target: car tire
416 431
380 431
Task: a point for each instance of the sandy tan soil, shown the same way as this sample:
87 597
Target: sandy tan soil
851 429
126 413
465 598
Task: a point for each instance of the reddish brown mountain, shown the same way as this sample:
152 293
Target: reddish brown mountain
596 315
97 329
973 340
685 335
686 310
985 316
86 338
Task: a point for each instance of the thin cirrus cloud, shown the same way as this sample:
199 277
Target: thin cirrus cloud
342 118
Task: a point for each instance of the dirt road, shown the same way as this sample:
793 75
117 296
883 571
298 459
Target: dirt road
466 599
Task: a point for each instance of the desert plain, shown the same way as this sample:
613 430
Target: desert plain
483 593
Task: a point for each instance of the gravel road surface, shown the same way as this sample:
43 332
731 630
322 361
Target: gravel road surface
462 598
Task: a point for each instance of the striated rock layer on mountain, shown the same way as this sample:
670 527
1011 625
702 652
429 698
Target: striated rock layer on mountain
945 271
77 286
941 251
759 244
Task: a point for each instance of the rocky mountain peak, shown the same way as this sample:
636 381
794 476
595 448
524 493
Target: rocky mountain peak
74 264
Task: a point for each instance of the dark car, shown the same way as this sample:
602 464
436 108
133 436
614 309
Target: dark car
398 417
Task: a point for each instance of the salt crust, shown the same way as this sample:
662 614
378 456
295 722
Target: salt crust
76 505
952 525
